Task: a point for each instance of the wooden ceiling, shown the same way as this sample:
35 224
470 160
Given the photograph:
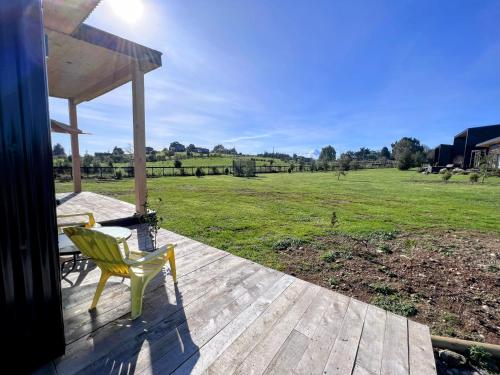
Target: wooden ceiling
85 62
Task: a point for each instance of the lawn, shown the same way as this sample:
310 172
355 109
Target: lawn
249 217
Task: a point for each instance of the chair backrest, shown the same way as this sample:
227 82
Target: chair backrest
101 248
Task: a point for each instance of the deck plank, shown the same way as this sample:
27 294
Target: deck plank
259 358
420 349
165 355
235 353
343 355
395 354
212 350
289 354
371 344
314 359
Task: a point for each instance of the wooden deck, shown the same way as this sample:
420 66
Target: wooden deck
229 315
106 210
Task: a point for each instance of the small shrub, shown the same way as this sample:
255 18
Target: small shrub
289 169
118 174
329 257
396 304
334 220
492 268
333 255
385 249
199 172
383 235
443 171
382 288
479 355
446 176
177 163
473 178
226 171
333 282
287 242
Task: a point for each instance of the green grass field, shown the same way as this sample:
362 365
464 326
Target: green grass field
247 216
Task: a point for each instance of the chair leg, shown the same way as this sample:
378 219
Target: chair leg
137 287
100 287
171 260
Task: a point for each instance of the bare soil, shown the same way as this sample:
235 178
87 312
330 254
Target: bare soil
449 280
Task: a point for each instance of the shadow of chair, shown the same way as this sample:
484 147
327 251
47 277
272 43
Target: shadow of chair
153 339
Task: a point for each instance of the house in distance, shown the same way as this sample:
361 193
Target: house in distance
468 147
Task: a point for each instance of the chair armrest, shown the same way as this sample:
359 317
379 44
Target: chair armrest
162 251
89 224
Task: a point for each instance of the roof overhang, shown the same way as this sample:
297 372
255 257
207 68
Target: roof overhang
59 127
462 134
489 142
85 62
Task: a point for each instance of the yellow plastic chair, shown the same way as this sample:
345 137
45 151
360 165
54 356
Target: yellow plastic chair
89 223
139 266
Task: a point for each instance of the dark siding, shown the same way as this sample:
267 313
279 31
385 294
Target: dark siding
443 154
478 135
30 295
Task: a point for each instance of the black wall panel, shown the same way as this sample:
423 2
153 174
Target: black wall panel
30 297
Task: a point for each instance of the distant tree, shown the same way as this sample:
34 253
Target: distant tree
87 160
345 162
118 155
408 152
58 150
149 150
385 153
177 147
220 149
404 160
191 148
327 153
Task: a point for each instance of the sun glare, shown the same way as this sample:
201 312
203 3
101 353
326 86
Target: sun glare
128 10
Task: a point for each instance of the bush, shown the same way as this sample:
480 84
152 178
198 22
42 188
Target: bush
215 170
289 170
443 170
396 304
226 171
405 161
177 163
473 177
446 176
118 174
458 171
479 355
287 242
354 165
199 172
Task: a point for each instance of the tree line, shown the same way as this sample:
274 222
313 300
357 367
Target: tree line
407 152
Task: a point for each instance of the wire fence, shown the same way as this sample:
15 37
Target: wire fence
66 172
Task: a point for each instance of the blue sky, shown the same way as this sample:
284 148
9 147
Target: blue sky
298 75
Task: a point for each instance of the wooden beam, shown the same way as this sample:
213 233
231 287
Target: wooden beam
139 139
75 148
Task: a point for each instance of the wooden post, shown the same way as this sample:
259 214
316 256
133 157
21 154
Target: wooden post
139 139
75 148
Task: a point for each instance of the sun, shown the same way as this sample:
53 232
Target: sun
128 10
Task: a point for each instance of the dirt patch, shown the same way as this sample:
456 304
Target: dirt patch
448 280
